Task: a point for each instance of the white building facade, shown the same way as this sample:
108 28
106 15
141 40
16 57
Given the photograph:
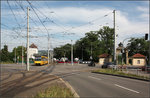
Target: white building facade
33 50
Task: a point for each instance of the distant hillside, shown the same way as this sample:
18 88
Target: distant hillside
43 52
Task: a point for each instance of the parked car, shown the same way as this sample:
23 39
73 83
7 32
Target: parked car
84 62
92 63
109 65
146 68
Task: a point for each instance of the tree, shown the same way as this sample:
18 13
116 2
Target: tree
138 45
97 42
18 52
62 51
88 46
5 54
106 37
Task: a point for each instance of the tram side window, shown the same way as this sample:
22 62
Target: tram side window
43 59
38 59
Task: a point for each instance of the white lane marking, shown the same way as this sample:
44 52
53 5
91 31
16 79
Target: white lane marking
74 73
94 78
126 88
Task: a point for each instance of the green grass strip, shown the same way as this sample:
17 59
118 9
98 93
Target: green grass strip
116 72
55 91
8 62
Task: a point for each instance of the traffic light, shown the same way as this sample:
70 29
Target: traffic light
146 36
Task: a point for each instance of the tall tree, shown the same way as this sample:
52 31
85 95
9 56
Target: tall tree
106 37
5 54
18 52
93 44
62 51
138 45
87 46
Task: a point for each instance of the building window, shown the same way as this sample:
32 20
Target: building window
138 61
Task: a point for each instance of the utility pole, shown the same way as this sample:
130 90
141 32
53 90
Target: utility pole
82 51
48 48
64 57
27 67
15 54
114 40
149 50
22 55
91 52
71 53
52 56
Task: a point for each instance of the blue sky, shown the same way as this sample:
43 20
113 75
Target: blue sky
63 20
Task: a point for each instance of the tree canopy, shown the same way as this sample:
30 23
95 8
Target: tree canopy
138 45
5 54
93 44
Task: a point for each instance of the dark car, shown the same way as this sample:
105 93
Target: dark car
84 62
92 63
146 68
108 65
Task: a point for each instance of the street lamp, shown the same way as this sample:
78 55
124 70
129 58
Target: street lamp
71 53
124 48
91 52
82 51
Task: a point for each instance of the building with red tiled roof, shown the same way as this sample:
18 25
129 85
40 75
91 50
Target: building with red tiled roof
138 60
33 46
138 55
105 55
33 50
103 58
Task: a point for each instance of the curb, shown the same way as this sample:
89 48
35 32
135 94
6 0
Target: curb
122 76
71 88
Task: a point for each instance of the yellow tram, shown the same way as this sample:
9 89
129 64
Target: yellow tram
41 60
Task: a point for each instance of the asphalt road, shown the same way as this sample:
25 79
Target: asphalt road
55 69
88 84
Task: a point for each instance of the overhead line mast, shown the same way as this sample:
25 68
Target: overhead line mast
27 67
114 40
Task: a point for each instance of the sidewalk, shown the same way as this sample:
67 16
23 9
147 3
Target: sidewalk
26 84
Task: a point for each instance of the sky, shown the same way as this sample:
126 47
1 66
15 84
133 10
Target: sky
64 21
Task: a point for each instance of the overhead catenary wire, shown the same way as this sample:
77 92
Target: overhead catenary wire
18 33
68 33
38 18
88 23
72 27
16 36
66 30
82 24
47 17
29 15
19 24
14 17
43 26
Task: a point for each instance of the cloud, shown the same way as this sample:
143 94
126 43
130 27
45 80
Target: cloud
144 11
78 21
73 14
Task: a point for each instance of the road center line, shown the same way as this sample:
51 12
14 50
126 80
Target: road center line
126 88
94 78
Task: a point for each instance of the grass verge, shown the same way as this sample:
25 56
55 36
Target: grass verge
8 62
116 72
55 91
